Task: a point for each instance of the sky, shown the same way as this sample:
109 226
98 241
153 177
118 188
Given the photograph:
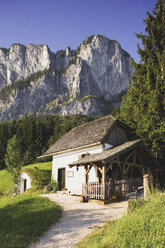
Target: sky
62 23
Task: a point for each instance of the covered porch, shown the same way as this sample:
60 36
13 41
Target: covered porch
120 171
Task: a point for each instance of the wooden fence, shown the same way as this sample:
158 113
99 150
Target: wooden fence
100 191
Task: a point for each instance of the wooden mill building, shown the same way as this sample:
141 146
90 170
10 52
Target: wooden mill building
99 160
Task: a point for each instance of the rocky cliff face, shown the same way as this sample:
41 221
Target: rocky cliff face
89 80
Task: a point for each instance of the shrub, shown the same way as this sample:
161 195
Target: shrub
53 186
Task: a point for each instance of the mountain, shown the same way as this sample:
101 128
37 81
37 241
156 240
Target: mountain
89 80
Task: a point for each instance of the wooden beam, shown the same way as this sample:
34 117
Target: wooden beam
134 157
136 165
103 180
107 169
131 164
100 170
139 158
123 169
98 179
128 156
103 174
89 169
119 164
85 174
127 169
142 171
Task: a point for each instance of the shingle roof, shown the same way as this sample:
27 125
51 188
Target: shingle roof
86 134
108 154
117 151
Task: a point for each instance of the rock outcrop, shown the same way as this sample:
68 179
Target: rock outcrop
89 80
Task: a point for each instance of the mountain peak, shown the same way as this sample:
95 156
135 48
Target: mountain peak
90 80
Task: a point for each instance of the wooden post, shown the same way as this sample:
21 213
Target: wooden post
146 185
97 175
103 180
85 184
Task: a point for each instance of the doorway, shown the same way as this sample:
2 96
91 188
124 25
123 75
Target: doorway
25 184
61 179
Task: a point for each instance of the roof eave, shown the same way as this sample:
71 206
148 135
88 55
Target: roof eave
69 150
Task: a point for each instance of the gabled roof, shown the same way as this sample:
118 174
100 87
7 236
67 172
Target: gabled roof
118 151
107 154
87 134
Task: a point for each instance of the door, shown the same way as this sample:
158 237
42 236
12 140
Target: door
61 179
25 184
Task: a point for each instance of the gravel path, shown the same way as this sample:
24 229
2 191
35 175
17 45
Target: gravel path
77 221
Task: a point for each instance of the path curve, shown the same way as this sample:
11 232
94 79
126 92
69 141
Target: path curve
77 221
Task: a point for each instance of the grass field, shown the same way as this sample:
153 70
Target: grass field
144 227
26 216
5 181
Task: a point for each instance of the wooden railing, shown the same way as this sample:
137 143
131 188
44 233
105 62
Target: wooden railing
93 190
100 191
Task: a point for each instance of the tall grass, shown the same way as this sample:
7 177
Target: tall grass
142 228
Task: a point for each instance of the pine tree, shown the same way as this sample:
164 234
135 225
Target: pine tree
13 158
143 107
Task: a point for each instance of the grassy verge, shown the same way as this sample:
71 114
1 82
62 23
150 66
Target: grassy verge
5 182
40 174
144 227
40 177
24 218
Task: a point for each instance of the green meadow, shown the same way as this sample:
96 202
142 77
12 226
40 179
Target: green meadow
25 217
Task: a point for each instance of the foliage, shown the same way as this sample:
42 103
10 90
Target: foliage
144 227
53 186
80 99
143 107
40 174
13 158
135 204
36 134
62 53
25 217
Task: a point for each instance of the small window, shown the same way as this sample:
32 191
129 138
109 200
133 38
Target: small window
83 155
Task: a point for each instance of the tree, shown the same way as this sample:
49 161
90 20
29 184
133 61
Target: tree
13 158
143 107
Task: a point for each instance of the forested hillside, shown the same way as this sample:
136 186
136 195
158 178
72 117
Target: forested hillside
35 134
143 107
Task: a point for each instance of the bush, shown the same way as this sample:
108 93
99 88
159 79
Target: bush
53 186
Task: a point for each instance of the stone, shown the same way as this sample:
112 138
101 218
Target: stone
90 81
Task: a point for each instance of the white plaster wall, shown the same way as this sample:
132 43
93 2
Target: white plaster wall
107 146
74 184
24 176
